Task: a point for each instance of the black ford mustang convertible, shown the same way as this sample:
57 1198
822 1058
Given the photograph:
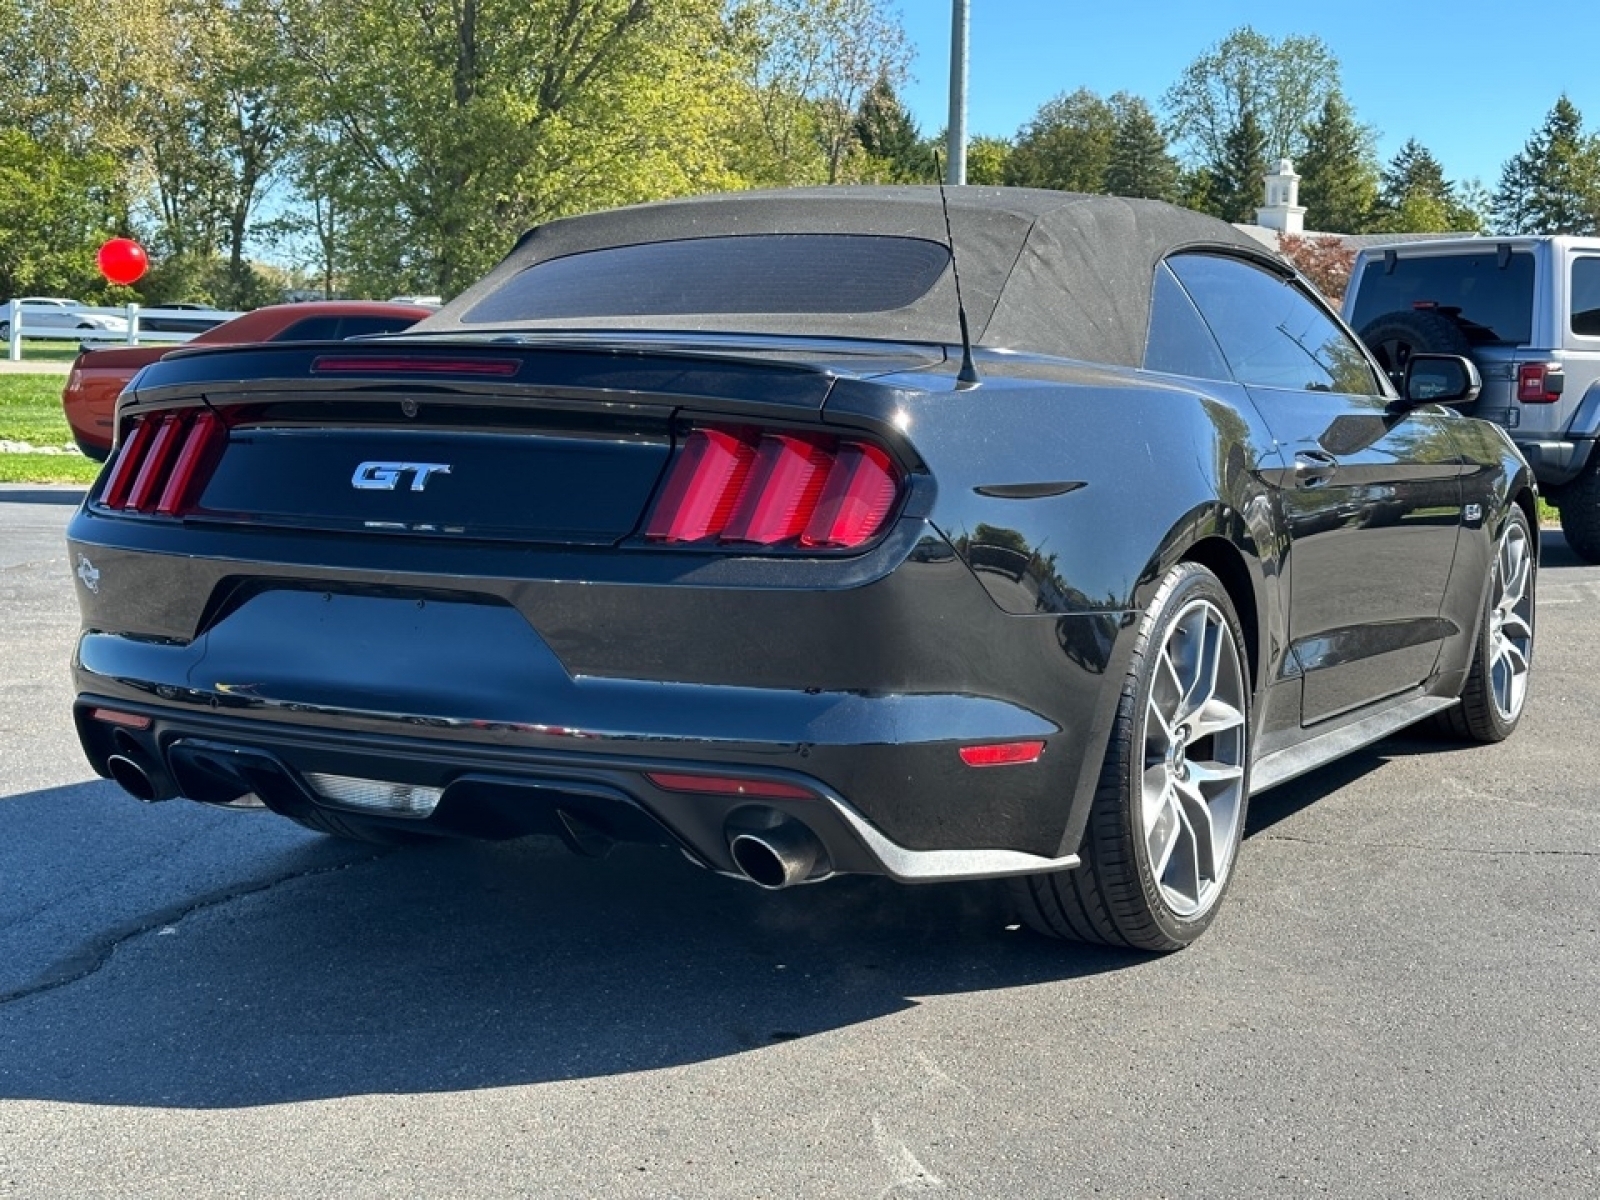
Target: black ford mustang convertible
813 532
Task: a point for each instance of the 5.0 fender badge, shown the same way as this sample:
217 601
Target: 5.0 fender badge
88 574
385 476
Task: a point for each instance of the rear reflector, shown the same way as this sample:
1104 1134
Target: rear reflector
163 464
723 785
112 716
744 487
1003 755
1540 383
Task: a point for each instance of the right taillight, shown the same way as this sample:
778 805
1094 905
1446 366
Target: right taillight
164 462
1540 383
774 489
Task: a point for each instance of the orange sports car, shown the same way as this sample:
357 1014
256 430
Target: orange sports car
98 376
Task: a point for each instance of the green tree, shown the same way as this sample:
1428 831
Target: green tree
1139 164
1338 170
1552 185
1415 197
444 131
1235 188
56 206
889 138
215 139
1283 83
1067 145
808 65
986 160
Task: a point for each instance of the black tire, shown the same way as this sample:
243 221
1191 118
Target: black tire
1119 896
354 829
1394 337
1496 691
1579 504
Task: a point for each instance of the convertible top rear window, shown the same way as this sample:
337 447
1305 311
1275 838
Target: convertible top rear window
762 273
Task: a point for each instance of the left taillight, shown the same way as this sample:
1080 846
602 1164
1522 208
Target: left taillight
774 489
164 462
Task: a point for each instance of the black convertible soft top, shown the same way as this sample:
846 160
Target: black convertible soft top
1046 272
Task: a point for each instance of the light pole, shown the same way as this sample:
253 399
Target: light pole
956 138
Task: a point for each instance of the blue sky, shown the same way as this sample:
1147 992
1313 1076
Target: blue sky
1469 80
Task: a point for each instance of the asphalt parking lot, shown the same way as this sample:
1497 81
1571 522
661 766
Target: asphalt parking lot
1401 996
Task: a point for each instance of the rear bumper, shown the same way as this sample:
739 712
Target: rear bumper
1556 461
588 798
861 678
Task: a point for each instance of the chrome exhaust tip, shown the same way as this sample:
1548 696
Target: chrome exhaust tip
138 780
779 857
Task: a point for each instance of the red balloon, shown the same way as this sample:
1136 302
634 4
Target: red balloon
122 260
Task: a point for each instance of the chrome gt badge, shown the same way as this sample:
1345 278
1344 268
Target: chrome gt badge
386 476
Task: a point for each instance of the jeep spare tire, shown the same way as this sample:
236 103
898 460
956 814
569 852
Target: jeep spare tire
1393 337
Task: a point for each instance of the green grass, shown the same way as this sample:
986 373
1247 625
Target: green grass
47 468
47 352
30 411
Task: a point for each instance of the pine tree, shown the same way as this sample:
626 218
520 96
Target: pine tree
1553 184
1236 178
1140 164
1338 171
891 139
1415 197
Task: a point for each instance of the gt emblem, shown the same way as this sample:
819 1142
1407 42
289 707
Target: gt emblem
385 476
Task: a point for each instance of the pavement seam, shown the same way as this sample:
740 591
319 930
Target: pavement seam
92 959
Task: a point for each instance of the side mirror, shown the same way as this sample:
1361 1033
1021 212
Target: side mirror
1439 379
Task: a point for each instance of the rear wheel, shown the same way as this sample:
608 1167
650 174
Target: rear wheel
1497 682
1579 504
1394 337
5 331
1169 812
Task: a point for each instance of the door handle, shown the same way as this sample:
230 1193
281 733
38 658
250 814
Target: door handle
1313 468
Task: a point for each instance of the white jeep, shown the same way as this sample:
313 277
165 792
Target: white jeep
1526 310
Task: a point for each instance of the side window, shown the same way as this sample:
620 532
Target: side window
1272 334
1180 343
1586 297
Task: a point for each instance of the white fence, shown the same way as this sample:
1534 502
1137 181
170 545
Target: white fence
133 331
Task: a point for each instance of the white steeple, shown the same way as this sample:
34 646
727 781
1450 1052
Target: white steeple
1283 210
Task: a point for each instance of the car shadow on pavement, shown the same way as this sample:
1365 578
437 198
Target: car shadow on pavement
1555 552
468 965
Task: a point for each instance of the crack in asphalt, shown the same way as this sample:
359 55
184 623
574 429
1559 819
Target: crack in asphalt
91 958
1305 841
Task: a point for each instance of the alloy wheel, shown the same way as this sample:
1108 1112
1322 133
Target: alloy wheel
1193 786
1511 622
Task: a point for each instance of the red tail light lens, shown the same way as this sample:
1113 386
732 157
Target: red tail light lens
774 489
164 463
706 480
1540 383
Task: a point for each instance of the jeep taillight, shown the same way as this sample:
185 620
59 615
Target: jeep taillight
164 462
774 489
1540 383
